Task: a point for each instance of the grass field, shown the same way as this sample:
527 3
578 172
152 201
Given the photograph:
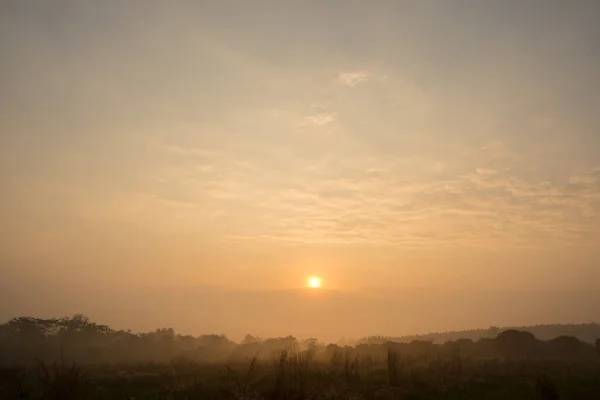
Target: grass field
296 375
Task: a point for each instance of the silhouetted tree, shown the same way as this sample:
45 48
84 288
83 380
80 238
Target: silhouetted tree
250 339
493 331
516 343
568 347
77 338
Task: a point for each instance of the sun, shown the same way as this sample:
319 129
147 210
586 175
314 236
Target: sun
314 282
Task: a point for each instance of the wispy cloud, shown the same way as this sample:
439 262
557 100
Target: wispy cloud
321 119
374 200
484 171
352 78
484 208
337 192
586 178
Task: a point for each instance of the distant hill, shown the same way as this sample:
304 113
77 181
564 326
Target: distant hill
584 332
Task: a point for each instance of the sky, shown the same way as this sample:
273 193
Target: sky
191 163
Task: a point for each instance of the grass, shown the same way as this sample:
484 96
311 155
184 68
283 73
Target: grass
296 375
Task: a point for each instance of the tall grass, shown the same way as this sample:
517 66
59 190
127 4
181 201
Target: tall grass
291 374
245 387
547 388
59 381
299 375
393 367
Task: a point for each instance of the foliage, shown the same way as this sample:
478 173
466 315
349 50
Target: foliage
584 332
296 375
38 356
78 339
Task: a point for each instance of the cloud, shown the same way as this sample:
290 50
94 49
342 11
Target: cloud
321 119
406 202
352 78
187 151
589 177
484 171
495 211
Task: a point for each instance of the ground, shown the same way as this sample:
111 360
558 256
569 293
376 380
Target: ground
300 377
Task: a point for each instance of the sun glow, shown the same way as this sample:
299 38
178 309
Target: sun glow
314 282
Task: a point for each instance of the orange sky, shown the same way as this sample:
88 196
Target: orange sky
178 163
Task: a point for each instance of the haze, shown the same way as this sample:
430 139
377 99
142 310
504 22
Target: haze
190 164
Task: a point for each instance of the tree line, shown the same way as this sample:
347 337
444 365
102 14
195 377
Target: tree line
78 339
585 332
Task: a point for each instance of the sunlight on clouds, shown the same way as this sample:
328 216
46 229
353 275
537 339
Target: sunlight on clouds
483 208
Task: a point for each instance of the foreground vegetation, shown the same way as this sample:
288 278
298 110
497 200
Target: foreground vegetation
74 358
298 376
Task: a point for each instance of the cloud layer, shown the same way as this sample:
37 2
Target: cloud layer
405 202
